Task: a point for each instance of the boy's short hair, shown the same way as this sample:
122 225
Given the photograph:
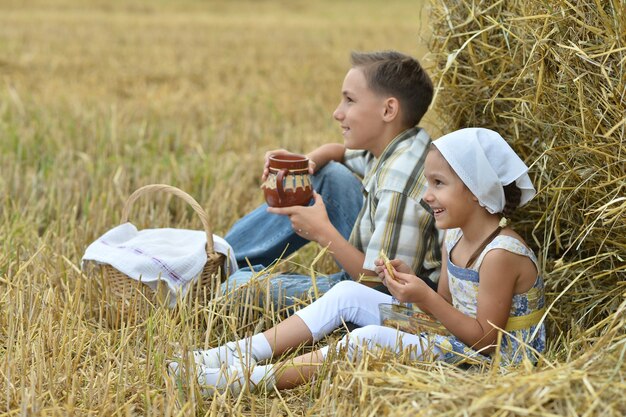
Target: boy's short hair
398 75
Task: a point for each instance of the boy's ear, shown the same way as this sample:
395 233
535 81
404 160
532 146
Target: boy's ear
391 109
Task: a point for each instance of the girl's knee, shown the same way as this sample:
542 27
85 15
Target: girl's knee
357 340
361 334
348 293
352 295
344 288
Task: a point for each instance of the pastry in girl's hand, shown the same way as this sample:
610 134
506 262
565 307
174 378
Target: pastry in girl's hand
387 263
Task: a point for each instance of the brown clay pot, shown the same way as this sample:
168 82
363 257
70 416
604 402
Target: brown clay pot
288 182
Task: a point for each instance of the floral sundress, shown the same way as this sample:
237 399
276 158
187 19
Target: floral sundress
463 283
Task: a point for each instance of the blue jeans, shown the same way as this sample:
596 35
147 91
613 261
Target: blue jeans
285 289
262 237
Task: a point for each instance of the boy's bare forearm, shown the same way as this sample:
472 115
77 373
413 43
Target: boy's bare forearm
326 153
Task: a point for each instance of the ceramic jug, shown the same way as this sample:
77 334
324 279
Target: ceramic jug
288 182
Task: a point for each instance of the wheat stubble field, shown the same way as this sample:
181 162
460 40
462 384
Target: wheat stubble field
99 98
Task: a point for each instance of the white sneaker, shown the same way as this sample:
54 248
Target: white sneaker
228 354
232 378
228 378
212 380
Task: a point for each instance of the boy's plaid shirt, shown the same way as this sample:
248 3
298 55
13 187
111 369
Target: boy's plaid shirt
394 218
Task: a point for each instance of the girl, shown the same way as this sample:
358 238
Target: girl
489 279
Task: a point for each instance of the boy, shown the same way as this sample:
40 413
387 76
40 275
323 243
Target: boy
384 96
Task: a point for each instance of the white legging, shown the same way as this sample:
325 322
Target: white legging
349 301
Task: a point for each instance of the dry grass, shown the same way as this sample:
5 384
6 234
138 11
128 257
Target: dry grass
98 100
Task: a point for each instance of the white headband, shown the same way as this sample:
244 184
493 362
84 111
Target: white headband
485 163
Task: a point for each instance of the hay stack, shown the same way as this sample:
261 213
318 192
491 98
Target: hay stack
550 77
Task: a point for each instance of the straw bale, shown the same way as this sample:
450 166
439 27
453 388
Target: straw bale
550 77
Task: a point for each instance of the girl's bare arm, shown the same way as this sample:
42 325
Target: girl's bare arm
498 275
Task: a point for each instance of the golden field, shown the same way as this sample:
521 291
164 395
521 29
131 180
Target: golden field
99 98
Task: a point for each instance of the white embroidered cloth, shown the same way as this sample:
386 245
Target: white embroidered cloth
175 256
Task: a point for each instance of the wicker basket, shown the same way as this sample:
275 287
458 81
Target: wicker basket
126 298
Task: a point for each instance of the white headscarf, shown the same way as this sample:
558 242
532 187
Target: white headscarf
485 163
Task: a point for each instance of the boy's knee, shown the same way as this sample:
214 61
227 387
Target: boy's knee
332 168
335 174
242 277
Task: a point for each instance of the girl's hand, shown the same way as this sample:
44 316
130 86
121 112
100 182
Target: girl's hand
397 265
266 167
309 222
406 287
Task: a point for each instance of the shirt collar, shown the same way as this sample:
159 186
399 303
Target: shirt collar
388 151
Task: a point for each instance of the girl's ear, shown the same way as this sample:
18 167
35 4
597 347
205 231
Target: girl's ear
391 109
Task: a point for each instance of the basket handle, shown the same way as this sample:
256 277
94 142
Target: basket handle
178 193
